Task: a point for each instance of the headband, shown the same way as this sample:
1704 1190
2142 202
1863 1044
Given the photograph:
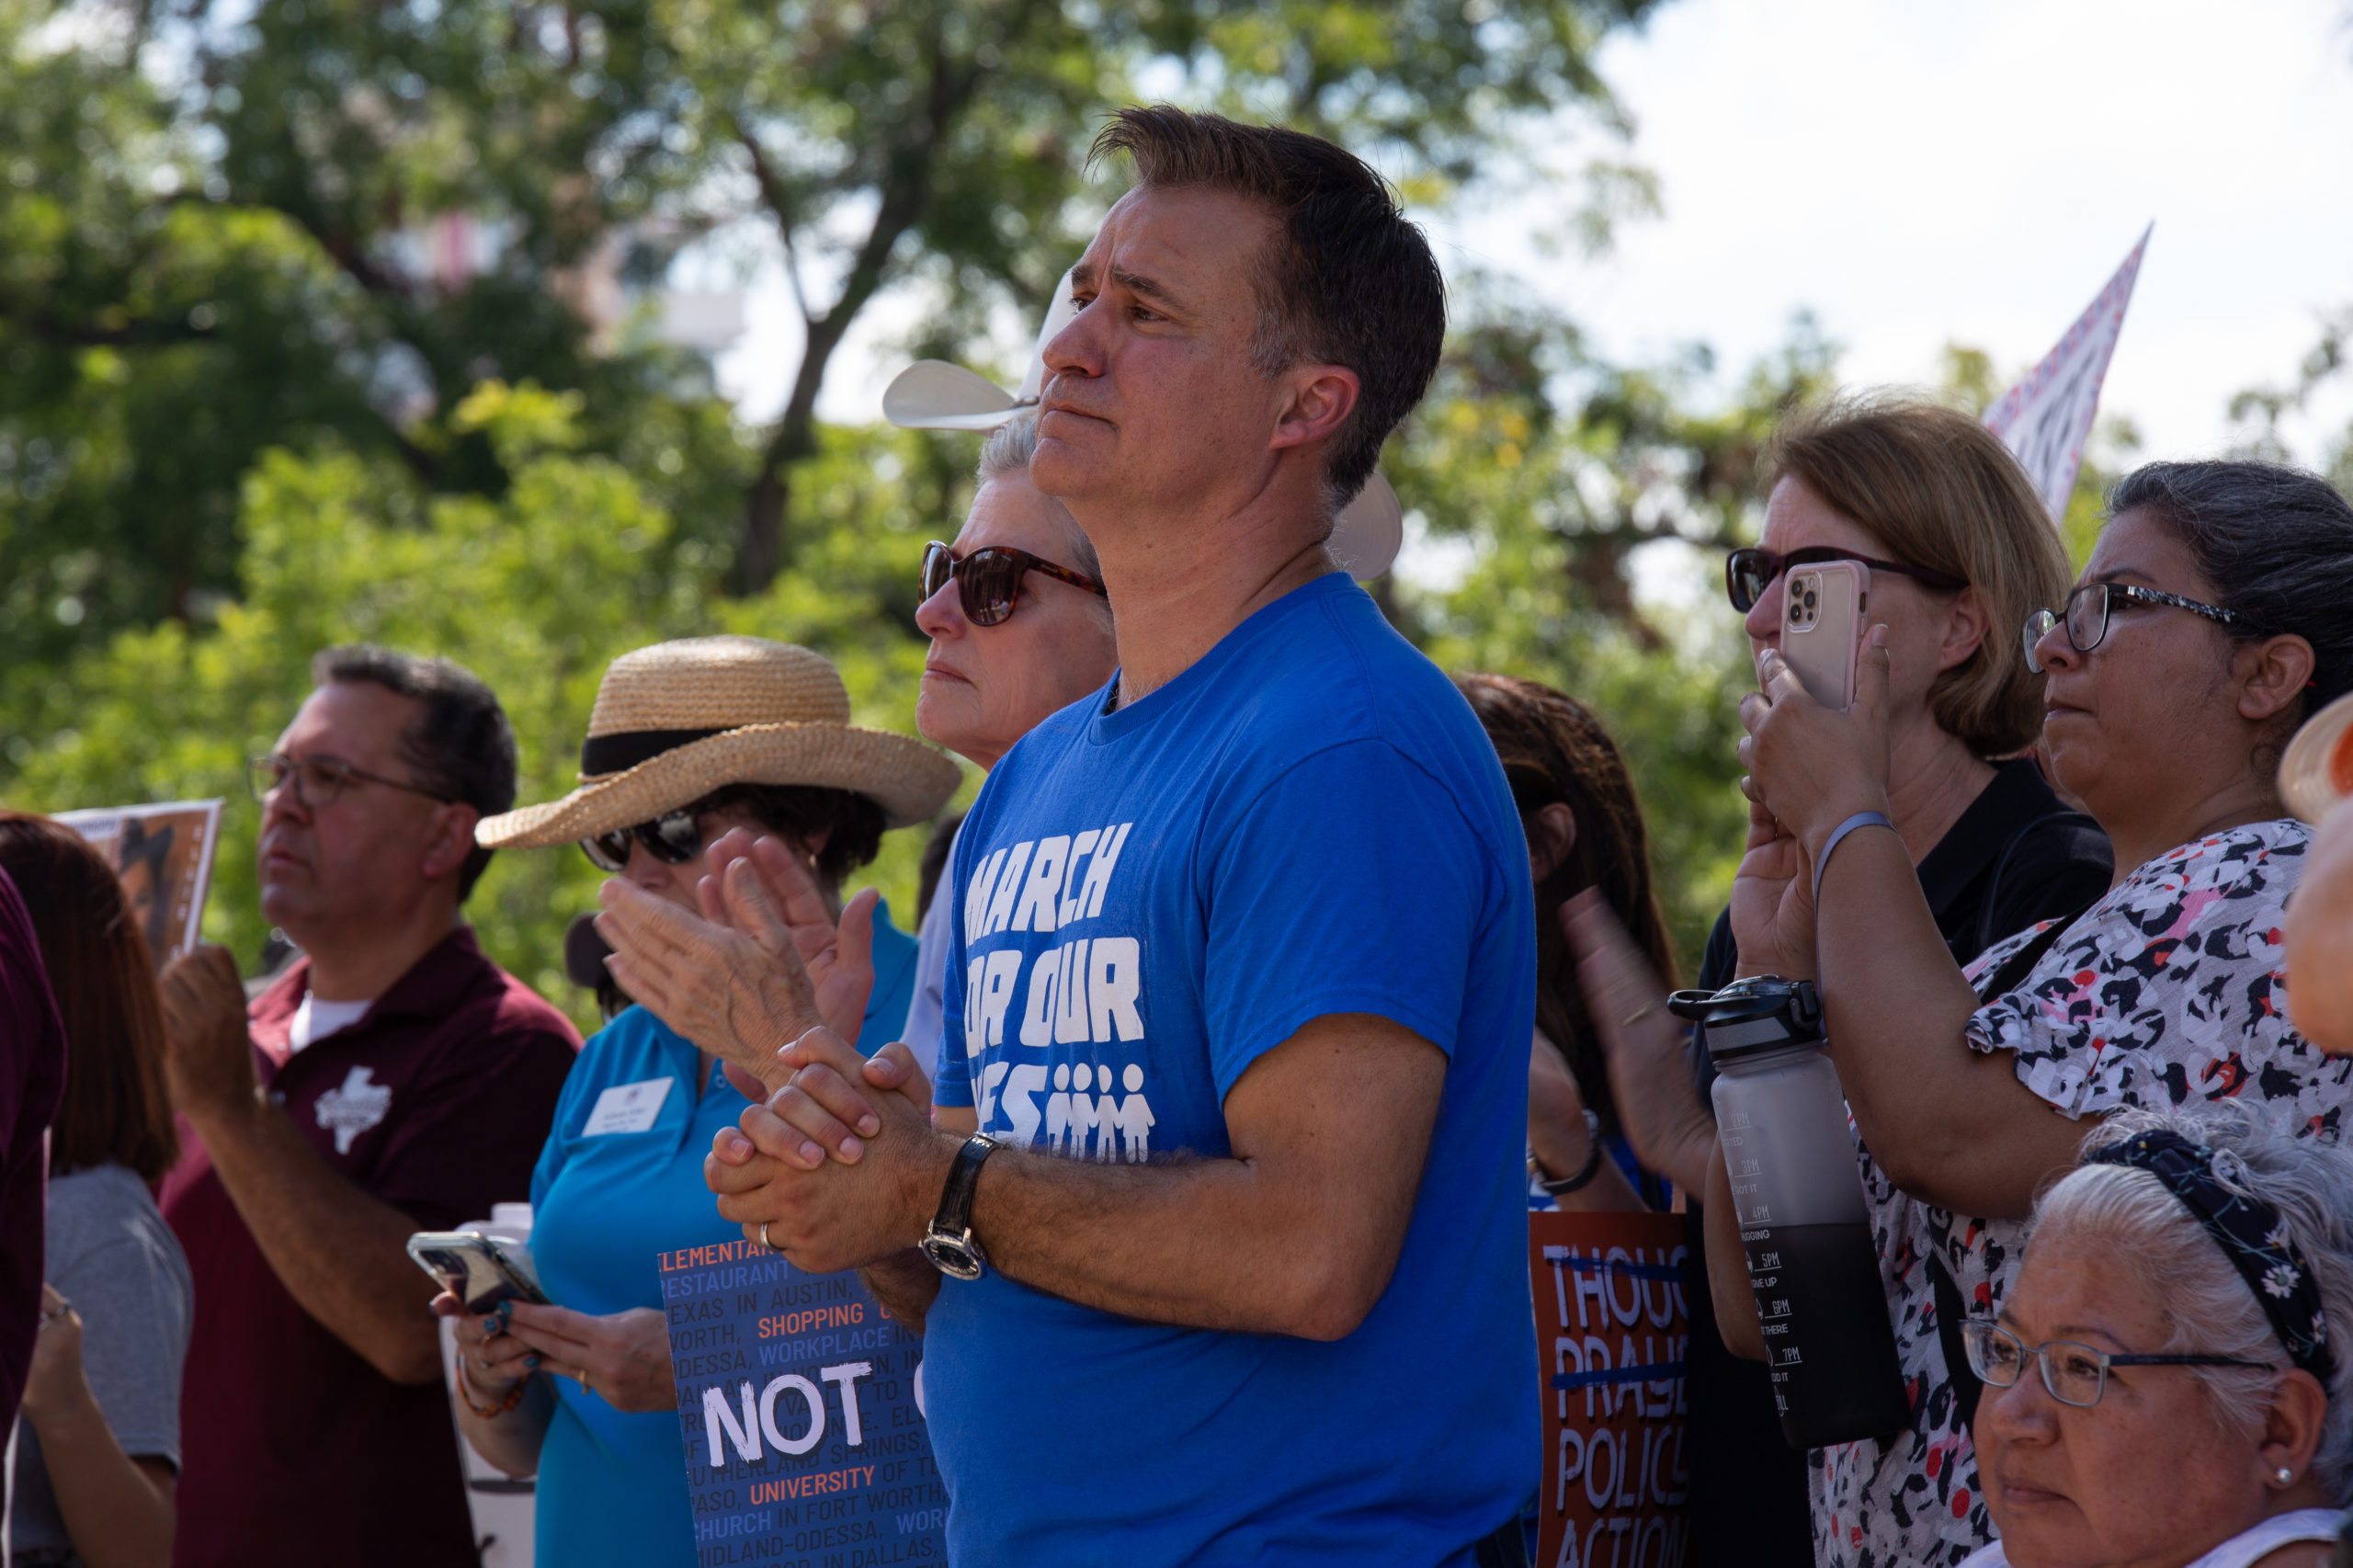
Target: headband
2249 1231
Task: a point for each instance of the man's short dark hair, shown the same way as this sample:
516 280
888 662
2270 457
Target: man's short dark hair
461 747
1347 280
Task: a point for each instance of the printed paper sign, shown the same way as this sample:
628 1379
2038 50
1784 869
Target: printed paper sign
163 854
2046 418
1612 1332
800 1405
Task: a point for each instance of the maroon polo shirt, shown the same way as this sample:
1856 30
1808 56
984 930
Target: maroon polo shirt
297 1450
32 1077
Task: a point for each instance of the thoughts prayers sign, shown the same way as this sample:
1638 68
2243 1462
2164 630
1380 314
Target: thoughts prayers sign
1611 1330
800 1405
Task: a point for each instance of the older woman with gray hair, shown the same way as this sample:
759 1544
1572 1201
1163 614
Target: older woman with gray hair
1019 630
2162 1389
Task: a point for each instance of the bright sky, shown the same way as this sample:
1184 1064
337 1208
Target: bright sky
1923 174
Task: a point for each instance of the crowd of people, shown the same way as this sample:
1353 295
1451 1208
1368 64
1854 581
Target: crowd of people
1272 979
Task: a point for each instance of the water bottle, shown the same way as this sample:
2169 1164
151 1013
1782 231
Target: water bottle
1829 1343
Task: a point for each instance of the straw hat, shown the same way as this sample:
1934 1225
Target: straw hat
932 394
677 721
2317 772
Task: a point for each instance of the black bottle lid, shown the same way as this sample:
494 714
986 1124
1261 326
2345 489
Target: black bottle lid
1750 1016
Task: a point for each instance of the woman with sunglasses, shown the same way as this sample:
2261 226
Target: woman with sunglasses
2210 621
688 740
2160 1390
1959 549
1020 629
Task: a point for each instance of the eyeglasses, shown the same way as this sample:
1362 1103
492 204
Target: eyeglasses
2086 610
1748 572
674 838
318 781
2075 1374
989 580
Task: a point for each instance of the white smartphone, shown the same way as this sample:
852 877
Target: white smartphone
480 1270
1823 611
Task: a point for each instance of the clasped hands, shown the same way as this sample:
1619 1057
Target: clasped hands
837 1160
1809 768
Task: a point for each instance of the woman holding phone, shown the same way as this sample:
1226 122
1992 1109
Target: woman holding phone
2209 622
689 741
1936 519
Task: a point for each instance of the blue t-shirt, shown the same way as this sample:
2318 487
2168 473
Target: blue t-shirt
1309 820
612 1487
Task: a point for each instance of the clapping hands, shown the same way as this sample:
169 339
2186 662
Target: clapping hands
763 965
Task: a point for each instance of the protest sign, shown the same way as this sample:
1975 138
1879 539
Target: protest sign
2046 418
163 856
1612 1331
800 1405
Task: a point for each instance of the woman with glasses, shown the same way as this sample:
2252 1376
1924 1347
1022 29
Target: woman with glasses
2160 1386
1959 549
1020 629
688 740
2211 620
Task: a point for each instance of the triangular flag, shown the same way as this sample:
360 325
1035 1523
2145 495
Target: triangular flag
2046 418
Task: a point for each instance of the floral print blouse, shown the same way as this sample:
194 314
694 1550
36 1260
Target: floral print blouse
2167 992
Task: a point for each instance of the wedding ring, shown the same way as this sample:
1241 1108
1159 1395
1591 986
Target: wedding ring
1638 1015
764 1237
584 1381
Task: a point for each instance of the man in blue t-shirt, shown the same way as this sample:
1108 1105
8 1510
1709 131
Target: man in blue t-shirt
1244 969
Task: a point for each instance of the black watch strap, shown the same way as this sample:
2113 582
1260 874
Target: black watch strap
955 1216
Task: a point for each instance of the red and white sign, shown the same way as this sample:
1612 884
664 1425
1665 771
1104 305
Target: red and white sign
1612 1332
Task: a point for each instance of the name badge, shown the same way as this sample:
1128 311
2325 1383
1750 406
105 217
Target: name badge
627 1108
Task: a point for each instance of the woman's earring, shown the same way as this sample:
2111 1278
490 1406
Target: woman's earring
2284 1475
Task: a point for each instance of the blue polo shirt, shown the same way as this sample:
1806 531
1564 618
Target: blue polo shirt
612 1488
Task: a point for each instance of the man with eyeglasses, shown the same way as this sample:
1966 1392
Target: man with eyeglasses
392 1080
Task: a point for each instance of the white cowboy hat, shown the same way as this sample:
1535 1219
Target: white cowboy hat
932 394
678 720
2317 772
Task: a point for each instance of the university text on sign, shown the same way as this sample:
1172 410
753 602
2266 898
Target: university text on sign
800 1409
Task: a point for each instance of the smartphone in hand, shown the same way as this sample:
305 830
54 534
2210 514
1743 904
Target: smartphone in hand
480 1270
1823 625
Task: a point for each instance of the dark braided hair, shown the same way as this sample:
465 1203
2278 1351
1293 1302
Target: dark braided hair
1555 751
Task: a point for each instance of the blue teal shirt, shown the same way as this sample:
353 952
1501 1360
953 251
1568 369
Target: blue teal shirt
1308 820
612 1488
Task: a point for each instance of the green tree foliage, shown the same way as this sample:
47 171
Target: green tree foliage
2260 411
536 592
221 222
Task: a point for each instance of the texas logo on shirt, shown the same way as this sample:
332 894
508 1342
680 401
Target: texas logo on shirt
354 1108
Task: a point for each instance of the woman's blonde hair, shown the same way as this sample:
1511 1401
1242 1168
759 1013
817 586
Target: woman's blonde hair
1938 489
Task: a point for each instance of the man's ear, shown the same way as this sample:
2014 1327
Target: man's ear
2272 673
449 840
1316 401
1965 629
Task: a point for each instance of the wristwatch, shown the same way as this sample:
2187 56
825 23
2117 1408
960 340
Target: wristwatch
949 1242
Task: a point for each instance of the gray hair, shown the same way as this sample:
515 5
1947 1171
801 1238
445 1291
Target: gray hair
1008 451
2206 1303
2275 542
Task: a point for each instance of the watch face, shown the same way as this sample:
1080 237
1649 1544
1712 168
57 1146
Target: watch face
958 1258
